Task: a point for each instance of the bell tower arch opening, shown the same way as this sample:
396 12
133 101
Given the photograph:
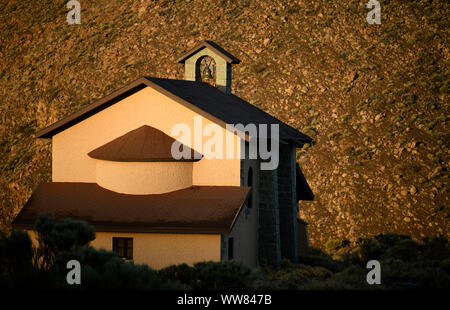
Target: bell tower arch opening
206 69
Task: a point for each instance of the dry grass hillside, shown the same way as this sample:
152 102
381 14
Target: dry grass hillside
375 98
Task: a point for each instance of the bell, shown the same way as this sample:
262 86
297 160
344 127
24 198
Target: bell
207 73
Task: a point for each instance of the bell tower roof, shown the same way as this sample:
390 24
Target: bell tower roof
214 48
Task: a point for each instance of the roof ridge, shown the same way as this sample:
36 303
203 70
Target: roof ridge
213 46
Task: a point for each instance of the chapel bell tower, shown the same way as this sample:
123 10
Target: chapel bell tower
209 63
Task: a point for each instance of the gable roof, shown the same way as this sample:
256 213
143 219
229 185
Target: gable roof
144 144
226 107
212 46
197 209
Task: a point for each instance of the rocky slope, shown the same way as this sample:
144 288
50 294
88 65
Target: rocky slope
375 98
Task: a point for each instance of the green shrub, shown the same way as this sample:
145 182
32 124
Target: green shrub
445 265
437 248
16 253
353 275
60 235
180 274
213 275
335 244
104 269
398 274
389 239
327 284
316 257
370 249
297 275
406 250
445 87
225 275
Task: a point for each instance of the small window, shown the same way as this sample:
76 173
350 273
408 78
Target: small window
123 247
250 184
230 248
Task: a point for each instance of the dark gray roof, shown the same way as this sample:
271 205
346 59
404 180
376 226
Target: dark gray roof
226 107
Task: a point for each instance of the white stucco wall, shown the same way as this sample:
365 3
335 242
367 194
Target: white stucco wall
141 178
